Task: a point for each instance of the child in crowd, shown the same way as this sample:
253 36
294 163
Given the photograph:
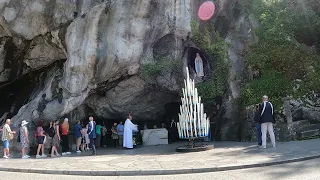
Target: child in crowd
114 135
85 138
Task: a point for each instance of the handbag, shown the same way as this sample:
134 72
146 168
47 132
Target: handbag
11 136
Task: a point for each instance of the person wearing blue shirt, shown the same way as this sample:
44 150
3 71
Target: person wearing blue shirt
92 134
120 129
78 135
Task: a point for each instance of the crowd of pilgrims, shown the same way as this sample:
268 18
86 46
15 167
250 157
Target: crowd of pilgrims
87 135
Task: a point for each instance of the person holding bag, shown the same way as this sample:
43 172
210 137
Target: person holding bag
7 135
24 139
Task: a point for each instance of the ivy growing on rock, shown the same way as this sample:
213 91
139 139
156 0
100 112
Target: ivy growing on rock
216 49
160 67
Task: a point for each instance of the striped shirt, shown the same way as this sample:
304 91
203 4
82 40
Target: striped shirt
6 132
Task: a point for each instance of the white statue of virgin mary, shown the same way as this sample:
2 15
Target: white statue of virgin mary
199 66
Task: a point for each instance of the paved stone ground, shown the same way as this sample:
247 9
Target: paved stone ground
164 160
303 170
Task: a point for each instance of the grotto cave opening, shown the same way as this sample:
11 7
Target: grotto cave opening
15 94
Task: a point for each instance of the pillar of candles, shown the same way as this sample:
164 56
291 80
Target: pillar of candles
193 122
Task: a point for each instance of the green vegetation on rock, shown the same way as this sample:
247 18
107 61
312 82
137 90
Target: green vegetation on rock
216 50
161 66
286 53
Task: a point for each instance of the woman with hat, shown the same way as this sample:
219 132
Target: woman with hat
24 140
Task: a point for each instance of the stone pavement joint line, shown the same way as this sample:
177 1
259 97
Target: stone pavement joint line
163 160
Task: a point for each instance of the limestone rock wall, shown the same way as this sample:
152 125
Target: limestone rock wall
91 52
66 57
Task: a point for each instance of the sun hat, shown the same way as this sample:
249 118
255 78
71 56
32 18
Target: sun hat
23 123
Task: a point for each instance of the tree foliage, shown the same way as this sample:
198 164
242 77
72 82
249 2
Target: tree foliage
289 38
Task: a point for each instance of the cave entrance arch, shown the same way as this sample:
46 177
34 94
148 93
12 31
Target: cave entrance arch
172 110
191 54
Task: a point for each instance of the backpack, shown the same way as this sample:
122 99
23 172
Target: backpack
18 138
51 132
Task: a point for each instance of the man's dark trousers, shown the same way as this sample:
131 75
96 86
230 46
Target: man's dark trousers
93 145
259 134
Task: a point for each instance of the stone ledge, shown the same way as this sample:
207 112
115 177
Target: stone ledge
156 171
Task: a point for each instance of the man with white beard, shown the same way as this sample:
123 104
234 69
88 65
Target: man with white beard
127 133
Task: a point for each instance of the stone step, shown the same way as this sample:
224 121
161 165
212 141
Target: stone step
297 124
307 127
308 134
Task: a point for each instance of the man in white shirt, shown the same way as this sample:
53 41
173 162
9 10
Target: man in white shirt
127 134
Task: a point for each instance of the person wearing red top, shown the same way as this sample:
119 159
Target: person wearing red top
64 137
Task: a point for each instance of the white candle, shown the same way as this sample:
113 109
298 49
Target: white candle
193 93
199 122
191 128
191 110
201 111
187 101
187 129
202 120
196 94
183 108
187 73
195 123
204 127
187 117
193 99
184 130
187 88
179 132
184 93
208 126
191 88
181 129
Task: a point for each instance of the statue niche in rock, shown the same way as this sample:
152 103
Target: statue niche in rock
198 63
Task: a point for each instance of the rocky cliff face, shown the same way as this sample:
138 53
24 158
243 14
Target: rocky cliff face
88 53
74 57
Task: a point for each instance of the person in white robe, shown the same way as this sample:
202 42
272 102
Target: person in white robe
199 66
127 133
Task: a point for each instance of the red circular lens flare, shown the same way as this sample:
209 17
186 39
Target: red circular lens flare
206 10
